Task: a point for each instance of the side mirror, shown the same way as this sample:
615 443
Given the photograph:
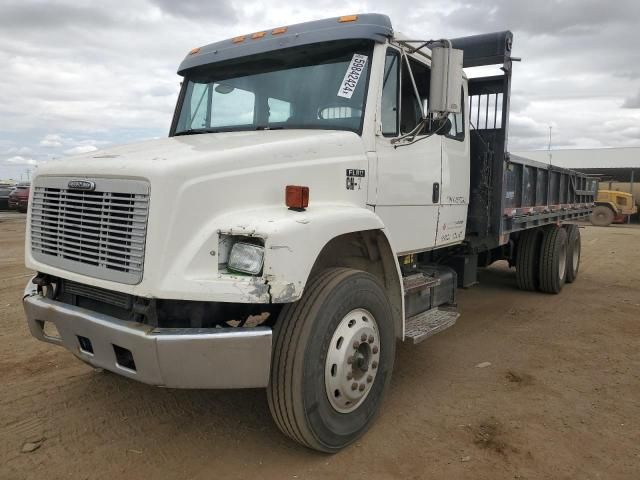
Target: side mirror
441 125
446 80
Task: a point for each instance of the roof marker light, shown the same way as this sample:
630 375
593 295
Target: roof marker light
348 18
258 35
193 51
238 39
278 31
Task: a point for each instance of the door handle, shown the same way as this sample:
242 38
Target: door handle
436 193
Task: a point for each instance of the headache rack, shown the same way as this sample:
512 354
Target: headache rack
509 193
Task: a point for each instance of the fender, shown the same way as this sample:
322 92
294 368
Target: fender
293 240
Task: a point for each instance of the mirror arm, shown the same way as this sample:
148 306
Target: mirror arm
437 131
412 134
413 83
427 43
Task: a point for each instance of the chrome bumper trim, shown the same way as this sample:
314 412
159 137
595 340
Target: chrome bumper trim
168 357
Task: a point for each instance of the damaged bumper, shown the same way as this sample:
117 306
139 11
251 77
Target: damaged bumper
168 357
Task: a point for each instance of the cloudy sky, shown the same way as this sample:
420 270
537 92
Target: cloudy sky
83 75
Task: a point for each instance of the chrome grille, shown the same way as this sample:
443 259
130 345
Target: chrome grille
100 233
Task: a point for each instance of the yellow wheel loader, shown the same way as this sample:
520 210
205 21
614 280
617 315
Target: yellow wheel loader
612 207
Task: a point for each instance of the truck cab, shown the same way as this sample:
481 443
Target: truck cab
317 199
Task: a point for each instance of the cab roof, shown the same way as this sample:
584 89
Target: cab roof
371 26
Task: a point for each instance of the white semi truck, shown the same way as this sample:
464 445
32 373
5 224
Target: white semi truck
324 189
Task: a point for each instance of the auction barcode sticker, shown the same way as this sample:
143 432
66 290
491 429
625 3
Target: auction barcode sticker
351 78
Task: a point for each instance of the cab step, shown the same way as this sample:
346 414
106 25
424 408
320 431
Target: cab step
425 324
419 281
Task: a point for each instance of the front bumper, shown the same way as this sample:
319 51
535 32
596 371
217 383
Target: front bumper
169 357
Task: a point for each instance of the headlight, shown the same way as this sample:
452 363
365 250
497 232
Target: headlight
246 258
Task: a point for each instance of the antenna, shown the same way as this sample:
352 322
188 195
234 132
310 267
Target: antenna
549 148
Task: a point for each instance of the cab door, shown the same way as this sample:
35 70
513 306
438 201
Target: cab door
454 202
407 196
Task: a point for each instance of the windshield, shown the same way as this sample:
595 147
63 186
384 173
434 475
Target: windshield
316 86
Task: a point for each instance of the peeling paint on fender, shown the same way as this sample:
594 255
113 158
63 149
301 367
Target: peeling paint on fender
286 293
259 291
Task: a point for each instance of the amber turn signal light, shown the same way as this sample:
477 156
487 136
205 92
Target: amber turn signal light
297 197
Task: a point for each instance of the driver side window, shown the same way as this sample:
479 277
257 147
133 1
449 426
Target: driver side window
410 113
400 107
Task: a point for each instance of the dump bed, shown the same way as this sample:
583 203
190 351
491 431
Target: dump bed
509 193
535 193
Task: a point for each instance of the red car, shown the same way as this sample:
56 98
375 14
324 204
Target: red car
19 197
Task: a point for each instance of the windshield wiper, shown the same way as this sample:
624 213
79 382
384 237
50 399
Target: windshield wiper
263 127
195 131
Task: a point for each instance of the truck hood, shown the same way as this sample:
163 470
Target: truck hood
207 153
202 185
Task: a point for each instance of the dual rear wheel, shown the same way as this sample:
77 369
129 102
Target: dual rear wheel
547 258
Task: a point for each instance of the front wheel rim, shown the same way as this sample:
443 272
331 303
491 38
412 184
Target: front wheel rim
352 361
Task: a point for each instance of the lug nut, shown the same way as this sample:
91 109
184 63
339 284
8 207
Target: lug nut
363 337
354 385
362 387
370 338
350 360
369 379
349 376
356 344
374 365
374 349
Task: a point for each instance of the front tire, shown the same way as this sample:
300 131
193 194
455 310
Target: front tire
339 334
602 216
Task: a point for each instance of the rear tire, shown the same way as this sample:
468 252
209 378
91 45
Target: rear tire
308 362
528 259
602 216
573 252
553 260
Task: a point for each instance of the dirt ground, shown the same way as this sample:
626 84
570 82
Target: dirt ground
559 400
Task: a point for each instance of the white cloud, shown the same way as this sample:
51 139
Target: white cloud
51 140
18 160
19 150
632 102
81 149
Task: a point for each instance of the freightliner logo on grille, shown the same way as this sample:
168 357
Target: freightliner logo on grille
81 185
